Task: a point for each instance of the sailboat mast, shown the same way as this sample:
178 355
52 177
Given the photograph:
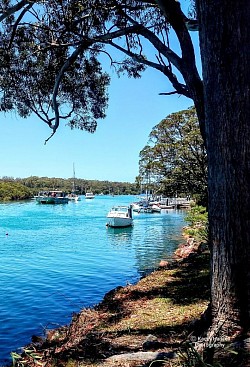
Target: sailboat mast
74 176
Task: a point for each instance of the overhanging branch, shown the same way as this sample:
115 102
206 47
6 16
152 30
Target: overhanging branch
180 88
59 77
13 9
24 11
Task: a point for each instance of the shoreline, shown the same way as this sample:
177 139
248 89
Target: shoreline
126 319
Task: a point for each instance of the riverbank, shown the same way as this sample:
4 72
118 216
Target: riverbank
133 325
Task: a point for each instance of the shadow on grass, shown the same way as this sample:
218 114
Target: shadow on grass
189 282
105 330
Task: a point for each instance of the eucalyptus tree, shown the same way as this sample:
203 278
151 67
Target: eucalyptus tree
49 66
176 155
49 55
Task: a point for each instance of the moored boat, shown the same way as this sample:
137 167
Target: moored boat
52 197
156 208
146 206
120 216
89 195
73 196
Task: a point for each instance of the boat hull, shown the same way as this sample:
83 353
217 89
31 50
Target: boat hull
120 216
52 197
73 197
46 200
119 222
89 195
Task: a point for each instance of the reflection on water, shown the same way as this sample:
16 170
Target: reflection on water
120 236
55 259
158 241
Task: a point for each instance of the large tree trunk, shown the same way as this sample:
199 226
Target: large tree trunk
225 47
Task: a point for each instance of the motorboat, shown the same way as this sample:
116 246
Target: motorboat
52 197
145 206
155 208
120 216
73 197
141 206
89 195
136 207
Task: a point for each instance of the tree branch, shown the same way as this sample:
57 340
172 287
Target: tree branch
15 8
84 45
17 22
180 88
168 93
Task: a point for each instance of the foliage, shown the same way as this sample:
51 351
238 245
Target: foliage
24 188
197 214
175 156
197 219
52 52
189 357
14 191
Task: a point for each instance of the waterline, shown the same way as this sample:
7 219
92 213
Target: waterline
56 260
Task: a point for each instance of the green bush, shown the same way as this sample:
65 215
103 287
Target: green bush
197 215
197 220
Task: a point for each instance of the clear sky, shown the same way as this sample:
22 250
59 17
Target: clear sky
111 153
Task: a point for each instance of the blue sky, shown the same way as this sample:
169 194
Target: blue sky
111 153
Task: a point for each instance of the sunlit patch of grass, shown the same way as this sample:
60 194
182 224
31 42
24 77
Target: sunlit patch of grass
157 279
164 304
160 313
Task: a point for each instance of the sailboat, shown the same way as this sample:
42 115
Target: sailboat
73 196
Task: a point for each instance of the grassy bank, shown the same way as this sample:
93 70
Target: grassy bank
133 325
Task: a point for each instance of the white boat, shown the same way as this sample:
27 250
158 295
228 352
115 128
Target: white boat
52 197
155 208
73 196
120 216
136 207
168 207
89 195
144 206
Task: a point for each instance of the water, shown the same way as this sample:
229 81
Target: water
57 259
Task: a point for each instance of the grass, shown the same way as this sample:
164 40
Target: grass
163 306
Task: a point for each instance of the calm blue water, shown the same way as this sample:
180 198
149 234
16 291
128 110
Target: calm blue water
54 260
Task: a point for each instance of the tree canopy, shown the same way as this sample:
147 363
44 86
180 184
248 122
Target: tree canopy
26 188
14 191
175 156
50 55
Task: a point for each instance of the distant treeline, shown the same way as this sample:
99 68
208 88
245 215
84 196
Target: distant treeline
26 188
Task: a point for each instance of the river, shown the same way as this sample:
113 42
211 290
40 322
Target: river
57 259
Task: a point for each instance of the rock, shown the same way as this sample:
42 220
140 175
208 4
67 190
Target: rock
151 342
190 241
142 356
163 263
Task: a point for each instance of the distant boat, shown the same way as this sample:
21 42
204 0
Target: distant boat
52 197
142 206
120 216
89 195
146 206
73 196
155 208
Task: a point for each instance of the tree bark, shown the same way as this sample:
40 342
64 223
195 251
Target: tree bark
225 47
